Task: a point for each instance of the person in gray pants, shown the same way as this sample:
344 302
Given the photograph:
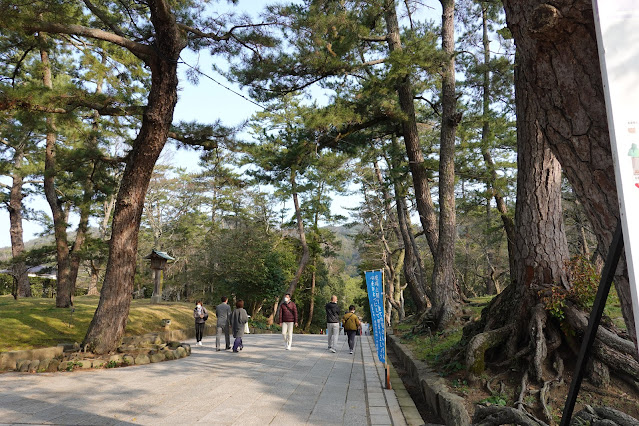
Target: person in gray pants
332 323
223 313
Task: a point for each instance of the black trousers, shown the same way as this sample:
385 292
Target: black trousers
199 331
351 338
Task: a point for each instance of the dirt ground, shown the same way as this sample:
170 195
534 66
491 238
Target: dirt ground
505 386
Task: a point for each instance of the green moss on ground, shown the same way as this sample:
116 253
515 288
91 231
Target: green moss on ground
36 322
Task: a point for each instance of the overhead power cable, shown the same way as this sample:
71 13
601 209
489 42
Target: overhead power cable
221 84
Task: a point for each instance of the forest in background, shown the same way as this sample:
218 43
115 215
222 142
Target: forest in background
479 176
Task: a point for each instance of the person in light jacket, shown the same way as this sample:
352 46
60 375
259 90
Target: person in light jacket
351 326
200 315
239 317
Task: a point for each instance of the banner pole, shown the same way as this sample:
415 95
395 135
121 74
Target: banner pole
607 276
386 368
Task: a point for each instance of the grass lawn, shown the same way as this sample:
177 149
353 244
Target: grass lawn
35 323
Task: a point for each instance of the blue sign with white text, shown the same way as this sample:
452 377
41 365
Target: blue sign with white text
376 299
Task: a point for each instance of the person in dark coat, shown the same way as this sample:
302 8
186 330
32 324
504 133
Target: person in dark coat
332 323
200 315
223 313
239 317
288 318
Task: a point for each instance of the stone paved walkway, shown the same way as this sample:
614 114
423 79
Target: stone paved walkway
264 384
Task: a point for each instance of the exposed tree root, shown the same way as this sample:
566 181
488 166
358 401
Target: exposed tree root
602 416
480 343
522 394
515 330
489 416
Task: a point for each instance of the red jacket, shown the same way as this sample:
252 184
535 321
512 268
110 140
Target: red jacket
288 312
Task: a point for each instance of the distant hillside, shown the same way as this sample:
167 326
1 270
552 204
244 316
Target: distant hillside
5 252
348 253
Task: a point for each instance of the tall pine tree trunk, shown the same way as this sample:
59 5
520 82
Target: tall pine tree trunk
445 294
19 268
400 222
425 206
64 294
311 305
306 254
93 279
109 322
559 61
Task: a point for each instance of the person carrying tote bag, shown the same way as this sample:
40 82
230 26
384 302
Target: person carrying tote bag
351 326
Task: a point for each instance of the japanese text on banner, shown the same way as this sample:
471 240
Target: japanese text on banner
375 289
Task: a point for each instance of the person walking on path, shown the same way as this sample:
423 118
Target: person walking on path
239 317
332 323
223 313
351 325
201 315
288 318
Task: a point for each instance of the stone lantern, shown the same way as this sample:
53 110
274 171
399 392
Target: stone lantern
158 260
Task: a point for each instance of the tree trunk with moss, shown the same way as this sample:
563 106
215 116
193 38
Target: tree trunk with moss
558 60
527 323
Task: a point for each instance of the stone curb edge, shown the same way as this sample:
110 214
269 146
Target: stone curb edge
448 406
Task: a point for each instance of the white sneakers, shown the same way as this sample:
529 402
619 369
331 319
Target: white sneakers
199 343
333 350
288 348
351 352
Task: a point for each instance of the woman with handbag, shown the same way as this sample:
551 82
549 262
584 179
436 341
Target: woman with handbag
201 315
239 318
351 325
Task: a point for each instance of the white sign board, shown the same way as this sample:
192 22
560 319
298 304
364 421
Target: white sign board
617 23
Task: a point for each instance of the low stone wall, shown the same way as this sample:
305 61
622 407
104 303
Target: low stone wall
447 405
10 360
134 350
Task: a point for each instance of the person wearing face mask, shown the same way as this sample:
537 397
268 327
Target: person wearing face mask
201 315
288 318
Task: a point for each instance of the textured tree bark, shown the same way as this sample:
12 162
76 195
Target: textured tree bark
540 251
541 248
64 294
109 322
19 268
445 293
93 281
558 60
80 238
400 222
311 307
306 254
425 205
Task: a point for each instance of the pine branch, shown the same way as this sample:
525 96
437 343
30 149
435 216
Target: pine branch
226 36
70 104
104 18
140 50
374 38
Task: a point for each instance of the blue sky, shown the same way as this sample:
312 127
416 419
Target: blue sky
205 103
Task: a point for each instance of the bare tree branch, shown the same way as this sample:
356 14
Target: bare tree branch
374 38
226 36
140 50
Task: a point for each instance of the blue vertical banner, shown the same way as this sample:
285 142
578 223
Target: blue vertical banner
375 287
